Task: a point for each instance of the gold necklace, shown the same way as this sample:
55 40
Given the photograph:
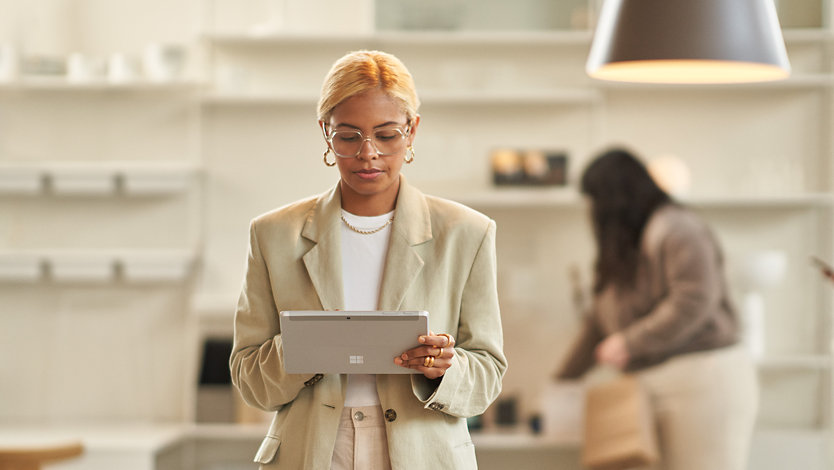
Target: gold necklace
366 232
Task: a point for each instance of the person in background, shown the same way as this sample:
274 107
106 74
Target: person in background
661 310
373 241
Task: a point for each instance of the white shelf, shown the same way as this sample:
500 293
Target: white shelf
520 98
461 97
541 197
422 38
98 266
82 180
61 83
96 178
21 180
156 266
580 38
20 267
237 99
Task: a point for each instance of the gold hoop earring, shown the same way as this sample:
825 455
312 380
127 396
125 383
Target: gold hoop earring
410 150
325 158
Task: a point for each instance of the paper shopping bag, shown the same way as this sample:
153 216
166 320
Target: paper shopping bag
619 427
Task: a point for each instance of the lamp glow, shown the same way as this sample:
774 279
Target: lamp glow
686 41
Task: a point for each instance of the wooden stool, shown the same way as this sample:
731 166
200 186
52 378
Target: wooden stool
31 458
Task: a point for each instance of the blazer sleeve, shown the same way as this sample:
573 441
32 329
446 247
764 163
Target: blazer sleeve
580 357
474 380
256 364
693 273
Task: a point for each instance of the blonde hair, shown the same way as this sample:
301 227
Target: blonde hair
361 71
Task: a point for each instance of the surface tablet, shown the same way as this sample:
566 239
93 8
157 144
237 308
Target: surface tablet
349 342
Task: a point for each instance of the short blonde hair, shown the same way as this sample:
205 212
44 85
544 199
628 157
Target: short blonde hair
361 71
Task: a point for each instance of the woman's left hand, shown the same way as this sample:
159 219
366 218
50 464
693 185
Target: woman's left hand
613 351
432 358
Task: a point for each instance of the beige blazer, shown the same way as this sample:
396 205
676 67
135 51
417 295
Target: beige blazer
441 258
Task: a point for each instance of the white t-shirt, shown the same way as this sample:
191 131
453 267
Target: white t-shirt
363 261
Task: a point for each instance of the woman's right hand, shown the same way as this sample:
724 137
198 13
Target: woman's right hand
613 351
433 358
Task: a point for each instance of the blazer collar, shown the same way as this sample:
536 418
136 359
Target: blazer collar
411 227
324 260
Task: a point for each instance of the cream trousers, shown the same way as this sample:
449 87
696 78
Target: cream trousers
705 406
361 443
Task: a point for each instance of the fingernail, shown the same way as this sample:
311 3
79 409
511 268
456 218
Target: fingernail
404 356
422 339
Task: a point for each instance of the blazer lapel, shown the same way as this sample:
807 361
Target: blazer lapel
411 227
324 260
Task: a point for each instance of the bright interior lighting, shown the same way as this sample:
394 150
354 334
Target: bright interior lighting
689 71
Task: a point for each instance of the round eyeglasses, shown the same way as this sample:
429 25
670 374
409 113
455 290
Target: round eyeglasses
385 140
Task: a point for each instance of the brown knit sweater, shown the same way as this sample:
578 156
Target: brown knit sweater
679 302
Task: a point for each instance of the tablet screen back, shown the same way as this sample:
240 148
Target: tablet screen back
349 342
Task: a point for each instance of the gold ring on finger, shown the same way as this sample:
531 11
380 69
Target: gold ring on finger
426 361
448 339
440 353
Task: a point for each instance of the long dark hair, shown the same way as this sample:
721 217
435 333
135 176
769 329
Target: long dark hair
623 197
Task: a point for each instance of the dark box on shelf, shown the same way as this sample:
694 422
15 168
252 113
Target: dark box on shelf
511 167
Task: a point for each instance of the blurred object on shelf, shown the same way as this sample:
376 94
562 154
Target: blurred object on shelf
506 411
671 174
43 65
428 14
215 402
164 62
562 405
9 63
529 167
761 270
535 423
121 68
507 167
82 68
826 269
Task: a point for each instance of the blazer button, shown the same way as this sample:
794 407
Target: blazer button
390 415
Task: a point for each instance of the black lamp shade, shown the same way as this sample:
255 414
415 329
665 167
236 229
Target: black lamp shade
688 41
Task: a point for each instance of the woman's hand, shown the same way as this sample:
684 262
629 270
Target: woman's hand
613 351
432 358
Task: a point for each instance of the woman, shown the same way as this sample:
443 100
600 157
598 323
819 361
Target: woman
372 242
661 310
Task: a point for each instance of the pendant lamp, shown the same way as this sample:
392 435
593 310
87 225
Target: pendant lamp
688 41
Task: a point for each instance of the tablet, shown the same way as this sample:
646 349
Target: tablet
349 342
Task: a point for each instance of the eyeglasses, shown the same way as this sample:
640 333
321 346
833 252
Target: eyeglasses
386 141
